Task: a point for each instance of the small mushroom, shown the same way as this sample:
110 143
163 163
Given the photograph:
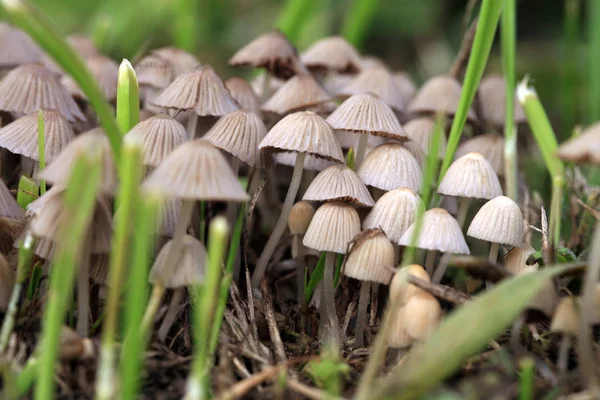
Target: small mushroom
380 82
299 93
242 92
106 73
391 166
583 148
420 130
406 85
490 146
339 182
440 94
298 221
332 53
492 98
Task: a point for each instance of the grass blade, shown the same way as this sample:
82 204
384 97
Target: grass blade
128 98
41 149
357 20
293 16
315 278
593 61
570 102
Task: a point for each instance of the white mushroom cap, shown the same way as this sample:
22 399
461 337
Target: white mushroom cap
339 182
471 176
332 227
440 231
394 212
371 258
498 221
391 166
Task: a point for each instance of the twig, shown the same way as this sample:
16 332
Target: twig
595 213
545 235
309 392
460 62
349 312
270 317
441 291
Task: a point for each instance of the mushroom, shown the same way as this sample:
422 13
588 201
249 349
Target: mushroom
499 221
406 85
391 166
378 81
515 261
332 53
9 208
17 48
420 131
311 163
470 177
181 60
300 216
370 259
566 322
490 146
299 93
583 148
242 92
106 73
339 182
303 133
74 347
7 281
366 115
440 94
492 100
332 227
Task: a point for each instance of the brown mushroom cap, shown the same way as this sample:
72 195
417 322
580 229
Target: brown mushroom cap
492 98
17 48
394 212
439 94
300 216
298 93
31 87
490 146
339 182
498 221
391 166
471 176
332 227
21 136
422 314
400 287
371 257
566 317
379 81
420 130
515 260
242 92
439 231
303 132
187 271
332 53
398 338
106 73
583 148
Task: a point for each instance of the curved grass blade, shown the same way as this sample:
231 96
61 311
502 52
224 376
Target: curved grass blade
128 98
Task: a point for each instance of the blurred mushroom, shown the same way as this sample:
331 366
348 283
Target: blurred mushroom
492 98
439 94
490 146
332 53
380 82
298 93
242 92
420 130
298 221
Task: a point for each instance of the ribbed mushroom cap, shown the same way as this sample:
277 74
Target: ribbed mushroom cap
416 150
401 289
17 48
154 71
271 51
298 93
332 227
367 114
498 221
583 148
168 214
490 146
239 134
371 257
422 314
398 338
44 248
394 212
420 130
334 83
492 98
391 166
339 182
182 60
300 216
439 231
30 87
439 94
471 176
21 136
303 132
379 81
311 163
7 280
201 90
332 53
242 92
196 170
406 85
188 270
515 260
566 317
351 139
159 136
59 171
106 73
9 207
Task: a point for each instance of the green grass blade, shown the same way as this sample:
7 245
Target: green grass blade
128 98
185 28
357 20
80 198
293 16
593 61
471 327
570 102
41 149
315 278
484 36
29 18
509 44
27 191
526 384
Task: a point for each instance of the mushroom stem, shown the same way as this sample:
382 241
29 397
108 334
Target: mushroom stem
266 85
83 290
374 297
441 269
494 247
171 315
361 314
332 336
361 150
430 262
261 265
192 123
463 210
563 356
231 206
300 267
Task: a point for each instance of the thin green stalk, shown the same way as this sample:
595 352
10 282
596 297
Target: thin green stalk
80 198
570 77
526 391
593 61
41 149
136 296
29 18
484 36
185 28
509 44
293 16
357 20
128 98
119 260
27 375
198 385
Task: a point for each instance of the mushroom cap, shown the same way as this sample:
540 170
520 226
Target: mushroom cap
422 314
406 85
242 92
90 142
7 281
83 45
189 268
99 266
239 134
334 83
332 227
159 136
471 176
416 150
300 216
196 170
181 60
489 145
566 317
515 261
303 132
311 163
332 53
154 71
498 221
371 257
339 182
271 51
298 93
394 212
439 94
391 166
351 139
583 148
17 48
200 90
9 207
401 289
31 87
21 136
440 231
546 299
492 99
420 130
367 114
168 212
106 73
398 337
379 81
